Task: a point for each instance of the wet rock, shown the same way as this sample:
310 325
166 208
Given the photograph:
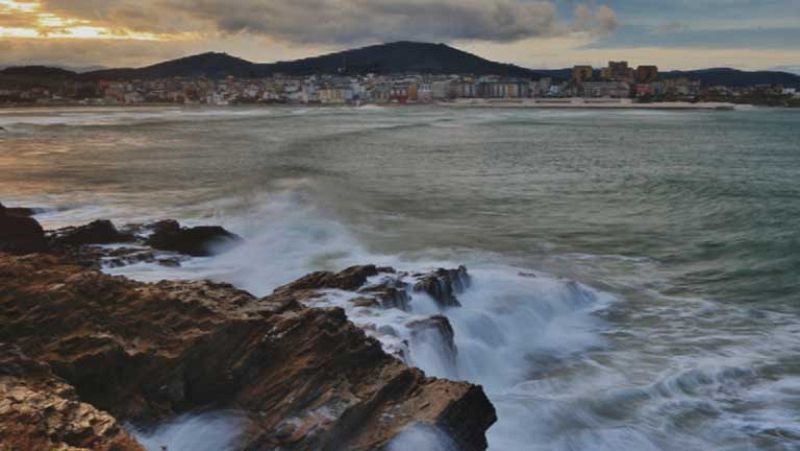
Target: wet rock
19 233
198 241
438 331
391 294
443 285
351 279
365 302
39 411
306 378
101 231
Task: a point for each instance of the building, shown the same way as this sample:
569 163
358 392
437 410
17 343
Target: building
617 71
601 89
492 88
646 74
582 73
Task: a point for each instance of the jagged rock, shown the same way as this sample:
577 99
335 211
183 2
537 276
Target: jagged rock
306 378
440 327
19 233
350 279
39 411
199 241
391 294
101 231
443 285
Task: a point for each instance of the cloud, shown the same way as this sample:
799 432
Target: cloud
676 35
342 21
599 21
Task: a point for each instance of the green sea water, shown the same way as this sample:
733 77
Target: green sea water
688 221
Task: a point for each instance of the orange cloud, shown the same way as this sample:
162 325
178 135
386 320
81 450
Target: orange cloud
27 19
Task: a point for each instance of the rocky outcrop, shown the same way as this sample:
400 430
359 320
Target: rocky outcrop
351 279
17 211
39 411
101 231
306 377
199 241
19 233
443 285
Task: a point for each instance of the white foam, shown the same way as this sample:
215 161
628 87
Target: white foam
212 431
559 375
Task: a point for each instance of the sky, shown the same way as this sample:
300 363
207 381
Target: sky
545 34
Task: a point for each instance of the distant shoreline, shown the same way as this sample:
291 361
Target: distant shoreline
528 103
613 104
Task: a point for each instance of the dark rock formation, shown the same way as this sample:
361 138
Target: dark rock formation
19 233
443 285
351 279
39 411
200 241
436 329
16 211
101 231
390 293
305 377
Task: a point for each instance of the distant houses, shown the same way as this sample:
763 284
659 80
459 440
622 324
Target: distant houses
617 80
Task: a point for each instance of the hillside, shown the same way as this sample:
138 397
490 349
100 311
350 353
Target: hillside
392 58
733 77
399 57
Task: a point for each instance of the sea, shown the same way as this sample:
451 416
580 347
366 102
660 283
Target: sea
635 273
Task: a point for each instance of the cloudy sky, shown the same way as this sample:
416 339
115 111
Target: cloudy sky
680 34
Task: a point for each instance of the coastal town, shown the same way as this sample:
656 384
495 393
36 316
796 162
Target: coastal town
617 82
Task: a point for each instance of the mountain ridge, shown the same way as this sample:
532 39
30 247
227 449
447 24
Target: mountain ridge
391 58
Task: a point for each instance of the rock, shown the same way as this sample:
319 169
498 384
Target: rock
306 378
96 232
16 211
350 279
365 302
20 234
199 241
39 411
443 285
438 331
391 294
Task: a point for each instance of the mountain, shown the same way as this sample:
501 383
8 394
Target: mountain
399 57
733 77
212 65
392 58
26 77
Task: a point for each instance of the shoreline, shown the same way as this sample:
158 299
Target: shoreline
574 103
580 103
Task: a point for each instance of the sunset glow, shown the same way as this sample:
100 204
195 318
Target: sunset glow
543 34
39 24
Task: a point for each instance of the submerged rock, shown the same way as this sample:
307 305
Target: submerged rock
306 378
199 241
438 332
101 231
19 233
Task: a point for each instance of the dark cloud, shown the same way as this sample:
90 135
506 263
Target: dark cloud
342 21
